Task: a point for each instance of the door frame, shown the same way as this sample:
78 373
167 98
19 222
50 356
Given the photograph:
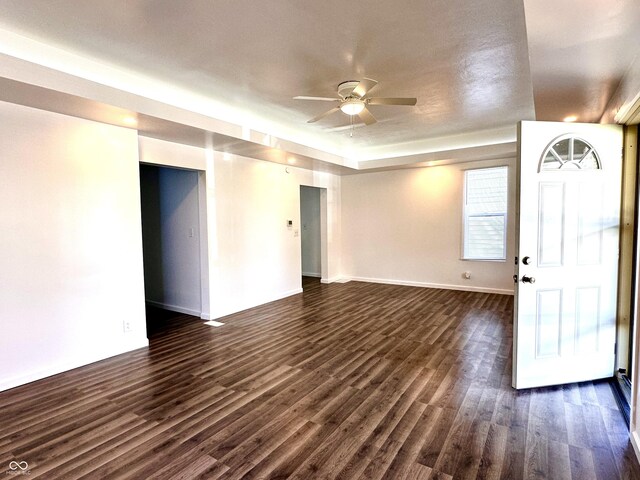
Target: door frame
631 149
324 237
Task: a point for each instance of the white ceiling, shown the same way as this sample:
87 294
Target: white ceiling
580 51
467 62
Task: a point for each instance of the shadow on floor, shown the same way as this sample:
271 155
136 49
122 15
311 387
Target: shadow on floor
160 320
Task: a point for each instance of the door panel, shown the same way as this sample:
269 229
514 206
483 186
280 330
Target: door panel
587 319
590 224
568 215
548 323
550 224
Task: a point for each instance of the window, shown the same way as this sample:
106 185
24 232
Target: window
485 214
569 153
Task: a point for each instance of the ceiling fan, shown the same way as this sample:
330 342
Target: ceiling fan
354 101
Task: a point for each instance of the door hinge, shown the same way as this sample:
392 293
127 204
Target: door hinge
615 348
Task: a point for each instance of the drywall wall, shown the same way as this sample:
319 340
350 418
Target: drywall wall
252 256
405 227
170 234
71 243
171 154
310 231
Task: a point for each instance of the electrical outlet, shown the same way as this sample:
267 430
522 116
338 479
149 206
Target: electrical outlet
126 326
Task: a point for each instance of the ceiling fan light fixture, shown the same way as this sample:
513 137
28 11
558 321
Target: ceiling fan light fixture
352 106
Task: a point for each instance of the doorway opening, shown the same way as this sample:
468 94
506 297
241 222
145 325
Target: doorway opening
313 235
173 235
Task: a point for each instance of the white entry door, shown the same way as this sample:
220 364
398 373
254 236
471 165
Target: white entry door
567 252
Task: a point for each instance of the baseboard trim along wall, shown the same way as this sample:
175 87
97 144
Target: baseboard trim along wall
463 288
309 274
289 293
336 279
7 383
174 308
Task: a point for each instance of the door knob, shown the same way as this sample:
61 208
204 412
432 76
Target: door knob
528 279
526 260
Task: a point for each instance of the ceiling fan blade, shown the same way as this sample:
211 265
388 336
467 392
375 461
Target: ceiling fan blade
392 101
322 99
322 115
363 87
366 117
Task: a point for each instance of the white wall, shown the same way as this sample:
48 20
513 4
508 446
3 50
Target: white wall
170 226
310 231
405 227
71 263
253 257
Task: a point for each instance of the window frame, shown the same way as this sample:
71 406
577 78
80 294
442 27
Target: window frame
505 215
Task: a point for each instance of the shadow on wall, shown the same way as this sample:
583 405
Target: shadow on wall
151 228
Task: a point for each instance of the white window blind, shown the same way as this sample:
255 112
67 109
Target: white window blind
485 214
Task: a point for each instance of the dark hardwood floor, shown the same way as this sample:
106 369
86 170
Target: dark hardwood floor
343 381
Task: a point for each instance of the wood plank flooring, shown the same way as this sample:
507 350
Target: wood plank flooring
349 381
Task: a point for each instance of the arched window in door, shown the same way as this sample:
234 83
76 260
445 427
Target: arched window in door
569 152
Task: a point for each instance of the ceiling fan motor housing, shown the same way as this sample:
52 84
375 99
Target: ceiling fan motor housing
346 88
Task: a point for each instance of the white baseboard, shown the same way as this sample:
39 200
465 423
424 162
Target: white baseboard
50 370
310 274
336 279
241 308
174 308
289 293
464 288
